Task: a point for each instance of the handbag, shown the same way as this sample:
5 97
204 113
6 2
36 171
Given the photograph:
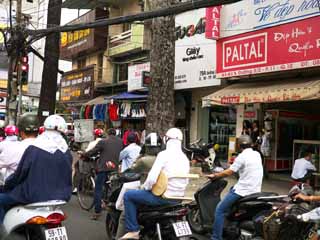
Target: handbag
160 187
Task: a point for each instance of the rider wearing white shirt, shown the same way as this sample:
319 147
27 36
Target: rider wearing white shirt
249 167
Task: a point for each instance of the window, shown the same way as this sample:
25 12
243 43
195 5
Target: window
100 66
81 63
122 72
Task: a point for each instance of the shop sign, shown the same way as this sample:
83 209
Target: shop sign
72 43
250 15
3 99
135 76
195 55
213 22
284 47
250 114
77 85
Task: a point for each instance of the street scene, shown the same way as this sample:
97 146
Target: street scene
159 120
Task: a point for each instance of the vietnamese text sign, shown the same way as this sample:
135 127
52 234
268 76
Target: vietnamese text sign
251 15
195 56
135 76
285 47
83 130
77 85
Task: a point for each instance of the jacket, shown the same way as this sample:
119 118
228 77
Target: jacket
109 150
41 176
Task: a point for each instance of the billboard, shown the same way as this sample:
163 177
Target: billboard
135 74
195 55
77 85
285 47
251 15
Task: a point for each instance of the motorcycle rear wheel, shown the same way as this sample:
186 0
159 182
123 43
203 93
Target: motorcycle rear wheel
194 220
111 227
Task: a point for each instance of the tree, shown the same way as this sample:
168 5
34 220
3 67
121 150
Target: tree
51 61
161 116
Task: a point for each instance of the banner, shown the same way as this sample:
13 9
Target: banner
284 47
213 22
251 15
135 76
195 56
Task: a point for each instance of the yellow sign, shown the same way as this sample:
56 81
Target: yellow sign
68 38
3 83
2 26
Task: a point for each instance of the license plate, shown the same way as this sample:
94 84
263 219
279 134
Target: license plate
59 233
182 229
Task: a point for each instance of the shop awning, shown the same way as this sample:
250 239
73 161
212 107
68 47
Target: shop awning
98 100
128 96
265 92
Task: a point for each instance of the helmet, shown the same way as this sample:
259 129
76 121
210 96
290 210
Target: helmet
11 130
41 130
132 138
174 133
56 122
245 140
29 123
98 132
216 147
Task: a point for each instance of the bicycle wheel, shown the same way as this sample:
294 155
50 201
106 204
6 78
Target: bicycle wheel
86 186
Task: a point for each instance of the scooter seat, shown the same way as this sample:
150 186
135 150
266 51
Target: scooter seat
145 208
46 204
254 196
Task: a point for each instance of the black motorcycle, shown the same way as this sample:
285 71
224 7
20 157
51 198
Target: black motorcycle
165 222
240 223
203 154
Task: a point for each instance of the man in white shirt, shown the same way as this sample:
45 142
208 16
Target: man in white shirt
171 162
11 150
249 167
303 168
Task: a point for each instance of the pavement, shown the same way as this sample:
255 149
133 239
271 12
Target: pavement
79 226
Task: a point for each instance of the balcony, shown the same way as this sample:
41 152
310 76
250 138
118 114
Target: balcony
128 42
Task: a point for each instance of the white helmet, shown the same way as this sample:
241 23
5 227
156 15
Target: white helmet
56 122
174 133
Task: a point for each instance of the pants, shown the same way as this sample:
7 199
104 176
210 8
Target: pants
101 178
135 198
221 211
6 202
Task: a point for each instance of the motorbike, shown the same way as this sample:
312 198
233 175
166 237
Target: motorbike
240 222
204 154
165 222
36 221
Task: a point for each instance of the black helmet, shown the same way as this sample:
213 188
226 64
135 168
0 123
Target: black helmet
245 141
29 123
150 147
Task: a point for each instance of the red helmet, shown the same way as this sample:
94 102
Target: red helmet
98 132
41 130
11 130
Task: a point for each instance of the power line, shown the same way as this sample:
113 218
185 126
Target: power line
172 10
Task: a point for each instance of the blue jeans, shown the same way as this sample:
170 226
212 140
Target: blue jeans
221 211
135 198
6 202
101 178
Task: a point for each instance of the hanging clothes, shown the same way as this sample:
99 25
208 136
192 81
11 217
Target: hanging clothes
113 112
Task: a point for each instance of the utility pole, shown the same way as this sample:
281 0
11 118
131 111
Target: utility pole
160 116
19 18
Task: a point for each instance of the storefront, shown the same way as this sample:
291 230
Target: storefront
286 112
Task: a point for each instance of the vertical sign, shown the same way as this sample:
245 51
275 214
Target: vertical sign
213 22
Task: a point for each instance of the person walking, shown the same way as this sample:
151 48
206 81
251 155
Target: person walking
109 150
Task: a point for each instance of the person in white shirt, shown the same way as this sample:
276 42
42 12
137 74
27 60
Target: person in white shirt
171 162
11 150
98 134
303 168
249 167
130 153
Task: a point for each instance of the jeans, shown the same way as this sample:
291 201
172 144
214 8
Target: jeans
221 211
135 198
101 178
6 202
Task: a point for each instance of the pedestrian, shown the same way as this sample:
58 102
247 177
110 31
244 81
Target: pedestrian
248 165
303 168
170 162
130 153
44 172
109 150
